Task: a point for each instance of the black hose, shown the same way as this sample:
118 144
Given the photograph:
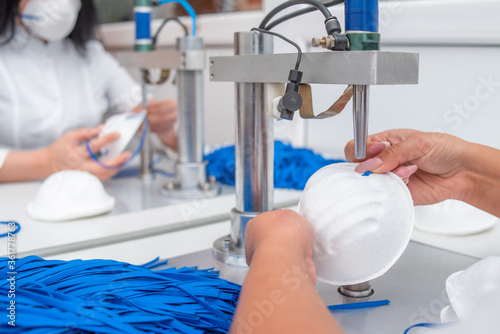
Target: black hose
155 38
299 50
319 5
300 12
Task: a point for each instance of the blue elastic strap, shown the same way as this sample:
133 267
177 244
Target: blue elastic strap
29 17
428 325
188 9
352 306
18 228
367 173
137 151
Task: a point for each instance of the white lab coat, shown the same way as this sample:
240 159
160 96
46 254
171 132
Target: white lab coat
48 89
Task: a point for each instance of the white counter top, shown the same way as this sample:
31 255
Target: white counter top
50 238
53 238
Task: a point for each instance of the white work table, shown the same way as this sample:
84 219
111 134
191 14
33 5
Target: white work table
134 235
415 285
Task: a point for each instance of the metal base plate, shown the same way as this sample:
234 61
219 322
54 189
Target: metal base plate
225 253
415 285
209 190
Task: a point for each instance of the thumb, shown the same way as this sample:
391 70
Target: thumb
85 133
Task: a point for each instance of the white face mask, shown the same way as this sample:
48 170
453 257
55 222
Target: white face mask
362 224
51 20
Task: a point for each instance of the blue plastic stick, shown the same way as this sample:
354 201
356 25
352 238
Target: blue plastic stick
352 306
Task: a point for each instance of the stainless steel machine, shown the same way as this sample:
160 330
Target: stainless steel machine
358 64
189 61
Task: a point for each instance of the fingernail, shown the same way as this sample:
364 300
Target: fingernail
378 147
406 171
369 165
283 209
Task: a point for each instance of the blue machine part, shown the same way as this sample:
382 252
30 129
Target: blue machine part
188 8
142 17
361 15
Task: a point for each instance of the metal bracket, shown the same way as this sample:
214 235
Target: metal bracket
343 67
189 60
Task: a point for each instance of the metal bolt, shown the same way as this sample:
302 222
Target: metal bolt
327 42
205 186
318 42
226 244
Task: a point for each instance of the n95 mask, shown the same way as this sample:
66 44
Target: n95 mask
362 224
51 20
68 195
471 288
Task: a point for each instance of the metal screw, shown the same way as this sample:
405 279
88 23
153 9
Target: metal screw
318 42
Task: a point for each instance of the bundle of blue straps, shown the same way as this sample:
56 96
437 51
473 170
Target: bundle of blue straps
105 296
292 166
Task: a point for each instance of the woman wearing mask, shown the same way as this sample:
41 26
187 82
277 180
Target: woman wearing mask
56 84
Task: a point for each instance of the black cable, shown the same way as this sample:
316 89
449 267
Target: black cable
155 38
299 50
319 5
300 12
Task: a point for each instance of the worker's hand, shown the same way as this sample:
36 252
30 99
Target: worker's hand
162 116
282 232
434 161
70 152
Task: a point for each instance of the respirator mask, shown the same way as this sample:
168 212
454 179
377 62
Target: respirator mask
362 223
50 20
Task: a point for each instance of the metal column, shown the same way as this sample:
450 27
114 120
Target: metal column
361 95
254 153
191 177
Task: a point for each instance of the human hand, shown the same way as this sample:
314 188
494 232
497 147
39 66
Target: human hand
162 116
70 152
282 232
433 160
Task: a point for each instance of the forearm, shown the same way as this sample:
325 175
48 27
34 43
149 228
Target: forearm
482 164
24 166
278 296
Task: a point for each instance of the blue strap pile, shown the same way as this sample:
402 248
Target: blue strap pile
105 296
292 166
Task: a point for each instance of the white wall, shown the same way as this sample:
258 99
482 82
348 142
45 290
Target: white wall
459 46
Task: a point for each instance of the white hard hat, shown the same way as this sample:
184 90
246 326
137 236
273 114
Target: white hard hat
362 224
70 194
